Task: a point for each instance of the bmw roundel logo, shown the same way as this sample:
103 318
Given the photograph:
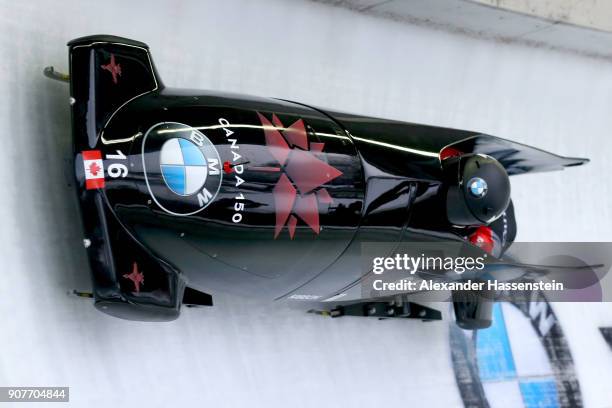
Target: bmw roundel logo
490 360
478 187
182 168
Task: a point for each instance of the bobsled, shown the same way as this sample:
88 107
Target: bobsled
185 194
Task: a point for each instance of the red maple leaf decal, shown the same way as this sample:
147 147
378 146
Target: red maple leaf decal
300 187
94 169
114 69
136 276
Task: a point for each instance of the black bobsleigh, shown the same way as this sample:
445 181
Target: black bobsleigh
185 193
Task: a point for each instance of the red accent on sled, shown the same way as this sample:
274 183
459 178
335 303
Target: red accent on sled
483 238
449 152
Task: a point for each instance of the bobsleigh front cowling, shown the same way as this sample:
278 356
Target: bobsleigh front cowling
185 194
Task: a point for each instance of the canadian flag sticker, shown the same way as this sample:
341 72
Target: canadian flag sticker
94 169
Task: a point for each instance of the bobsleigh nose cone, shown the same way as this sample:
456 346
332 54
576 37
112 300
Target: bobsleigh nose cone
478 191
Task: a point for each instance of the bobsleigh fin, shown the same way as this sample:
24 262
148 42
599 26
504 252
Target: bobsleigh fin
193 297
128 280
517 158
106 72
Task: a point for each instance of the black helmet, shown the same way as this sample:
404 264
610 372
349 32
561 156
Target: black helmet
478 189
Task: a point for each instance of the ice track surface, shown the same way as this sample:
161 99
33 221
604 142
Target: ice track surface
240 353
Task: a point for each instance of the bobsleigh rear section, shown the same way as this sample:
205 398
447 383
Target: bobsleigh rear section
186 193
117 259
